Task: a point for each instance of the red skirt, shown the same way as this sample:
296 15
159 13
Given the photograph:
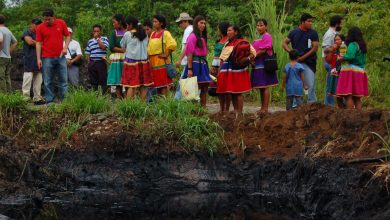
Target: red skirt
136 73
159 72
233 81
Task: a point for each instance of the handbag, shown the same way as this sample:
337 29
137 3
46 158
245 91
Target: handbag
78 62
270 62
189 89
171 70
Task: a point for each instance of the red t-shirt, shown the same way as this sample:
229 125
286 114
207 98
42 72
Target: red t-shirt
52 38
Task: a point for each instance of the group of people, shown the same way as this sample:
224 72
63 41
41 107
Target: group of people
141 60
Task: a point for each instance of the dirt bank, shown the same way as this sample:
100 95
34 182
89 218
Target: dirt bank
287 165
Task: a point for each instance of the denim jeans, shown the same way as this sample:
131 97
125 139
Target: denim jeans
310 80
293 102
328 100
51 68
178 94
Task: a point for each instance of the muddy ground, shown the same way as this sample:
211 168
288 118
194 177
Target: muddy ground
311 163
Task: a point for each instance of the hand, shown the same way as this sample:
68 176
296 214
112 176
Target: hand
163 56
96 35
178 63
190 74
39 63
69 62
282 88
305 87
339 58
213 71
63 52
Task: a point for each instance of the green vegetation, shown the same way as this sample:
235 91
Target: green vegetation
81 101
10 107
182 123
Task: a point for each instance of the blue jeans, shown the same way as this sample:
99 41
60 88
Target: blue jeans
51 68
310 80
328 100
178 94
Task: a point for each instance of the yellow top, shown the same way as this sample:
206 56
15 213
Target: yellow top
155 47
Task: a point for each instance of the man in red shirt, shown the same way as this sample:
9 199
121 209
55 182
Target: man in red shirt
51 53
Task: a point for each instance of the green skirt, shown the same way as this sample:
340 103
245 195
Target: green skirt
115 70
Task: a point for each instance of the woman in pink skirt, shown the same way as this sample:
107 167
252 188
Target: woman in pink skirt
353 80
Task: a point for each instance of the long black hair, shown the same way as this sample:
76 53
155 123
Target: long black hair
140 33
197 32
162 20
223 26
356 35
121 19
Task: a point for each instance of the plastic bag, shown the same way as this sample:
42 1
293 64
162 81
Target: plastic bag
189 88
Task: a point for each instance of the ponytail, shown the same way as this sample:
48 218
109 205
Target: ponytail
140 32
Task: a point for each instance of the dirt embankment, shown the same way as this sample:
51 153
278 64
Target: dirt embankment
288 163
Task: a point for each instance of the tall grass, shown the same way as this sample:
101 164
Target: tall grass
80 101
277 27
10 105
184 124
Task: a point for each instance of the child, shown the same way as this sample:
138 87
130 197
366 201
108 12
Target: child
96 52
293 81
331 56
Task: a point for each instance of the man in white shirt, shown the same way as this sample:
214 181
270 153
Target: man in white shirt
8 44
184 22
328 41
73 58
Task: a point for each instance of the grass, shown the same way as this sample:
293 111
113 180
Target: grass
184 124
383 170
11 104
81 101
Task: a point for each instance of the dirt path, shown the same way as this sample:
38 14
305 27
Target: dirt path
251 108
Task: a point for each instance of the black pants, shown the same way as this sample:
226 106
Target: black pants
97 71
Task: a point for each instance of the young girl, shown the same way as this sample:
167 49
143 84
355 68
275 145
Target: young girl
196 52
235 80
261 79
331 55
293 81
224 99
117 56
160 47
137 72
353 81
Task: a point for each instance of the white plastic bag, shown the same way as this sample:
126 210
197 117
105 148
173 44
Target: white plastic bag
189 88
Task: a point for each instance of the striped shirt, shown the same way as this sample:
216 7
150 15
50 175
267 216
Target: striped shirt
94 51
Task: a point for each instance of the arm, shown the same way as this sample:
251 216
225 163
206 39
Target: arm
1 40
260 53
65 49
284 82
29 41
14 43
303 80
13 46
189 65
181 56
352 50
285 44
39 51
313 50
101 44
